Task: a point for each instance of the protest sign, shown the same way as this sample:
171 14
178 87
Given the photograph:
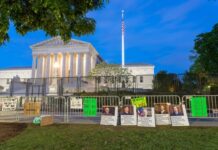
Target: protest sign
178 115
146 117
76 103
8 104
199 106
89 107
139 102
32 108
109 115
162 116
128 115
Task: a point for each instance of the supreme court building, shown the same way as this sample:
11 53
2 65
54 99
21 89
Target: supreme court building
54 58
59 67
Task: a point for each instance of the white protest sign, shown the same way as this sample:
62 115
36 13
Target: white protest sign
109 115
178 115
162 116
8 104
128 115
146 117
76 103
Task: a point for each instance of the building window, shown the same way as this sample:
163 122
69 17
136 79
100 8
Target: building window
141 79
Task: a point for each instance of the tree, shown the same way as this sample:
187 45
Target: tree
55 17
206 52
112 76
166 82
104 69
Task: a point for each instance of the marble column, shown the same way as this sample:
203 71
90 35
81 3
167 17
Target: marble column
79 65
34 67
47 75
71 64
86 64
93 61
39 67
63 65
55 65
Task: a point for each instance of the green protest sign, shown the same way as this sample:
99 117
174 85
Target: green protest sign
199 106
139 102
89 107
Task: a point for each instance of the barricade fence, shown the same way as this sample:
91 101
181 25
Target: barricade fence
72 109
201 106
162 83
152 99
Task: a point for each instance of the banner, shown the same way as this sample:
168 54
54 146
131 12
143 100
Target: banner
139 102
128 115
109 115
162 116
76 103
146 117
89 107
8 104
178 115
199 106
32 108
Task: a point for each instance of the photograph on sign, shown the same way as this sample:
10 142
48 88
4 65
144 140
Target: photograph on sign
76 103
176 110
178 115
109 115
162 116
146 117
108 110
128 115
161 108
127 110
144 112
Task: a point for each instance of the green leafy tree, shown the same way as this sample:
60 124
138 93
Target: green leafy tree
104 69
166 82
55 17
202 76
112 76
206 52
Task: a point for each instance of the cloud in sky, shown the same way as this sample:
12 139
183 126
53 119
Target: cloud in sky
180 11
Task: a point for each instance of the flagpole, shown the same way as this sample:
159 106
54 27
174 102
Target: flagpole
122 37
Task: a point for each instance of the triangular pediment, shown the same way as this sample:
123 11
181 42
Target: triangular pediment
57 41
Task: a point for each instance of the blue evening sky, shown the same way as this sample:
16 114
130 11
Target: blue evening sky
159 32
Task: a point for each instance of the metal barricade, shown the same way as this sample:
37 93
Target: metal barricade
8 109
152 99
77 115
39 106
211 105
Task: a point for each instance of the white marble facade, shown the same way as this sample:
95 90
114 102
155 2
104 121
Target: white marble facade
54 58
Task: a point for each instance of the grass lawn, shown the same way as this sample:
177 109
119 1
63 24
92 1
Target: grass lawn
74 137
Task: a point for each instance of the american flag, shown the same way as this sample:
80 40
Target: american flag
123 26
